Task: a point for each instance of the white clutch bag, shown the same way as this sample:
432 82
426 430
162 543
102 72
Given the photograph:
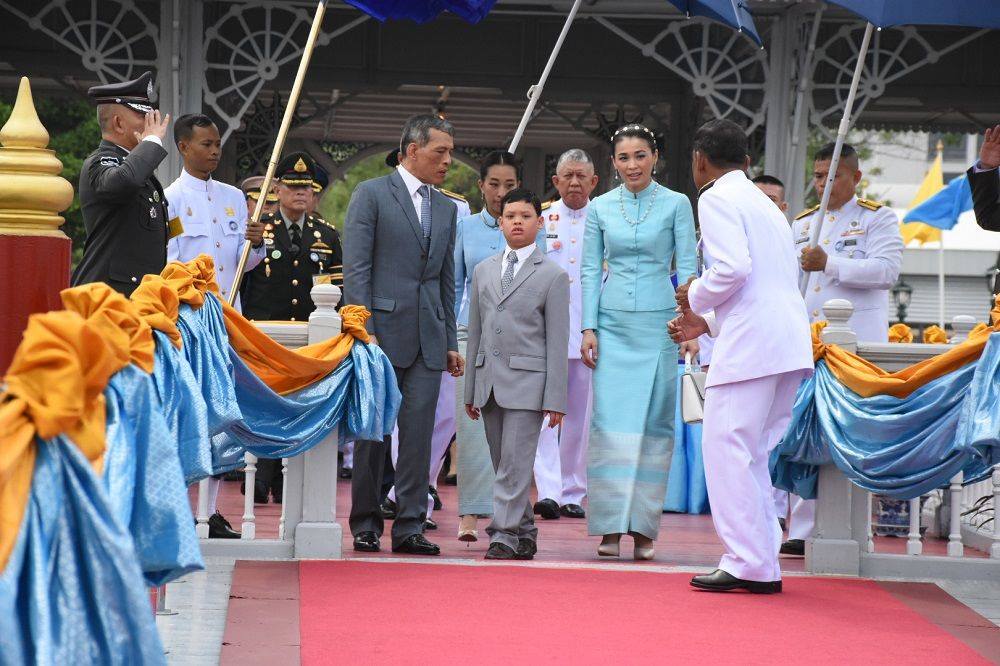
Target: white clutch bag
692 393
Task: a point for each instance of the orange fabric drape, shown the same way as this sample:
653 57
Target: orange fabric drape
900 333
867 379
935 335
157 303
116 318
55 384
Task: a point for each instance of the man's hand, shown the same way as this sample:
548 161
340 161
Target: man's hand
255 232
686 327
813 259
989 154
682 295
155 126
472 412
555 418
691 347
456 364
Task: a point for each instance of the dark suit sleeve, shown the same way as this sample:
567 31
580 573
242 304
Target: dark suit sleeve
986 197
556 343
448 286
359 247
475 333
115 178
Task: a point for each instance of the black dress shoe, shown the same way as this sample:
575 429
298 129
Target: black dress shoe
526 549
388 509
416 544
547 509
276 494
782 524
451 480
366 542
793 547
499 551
346 472
430 524
219 528
720 581
433 492
259 491
572 511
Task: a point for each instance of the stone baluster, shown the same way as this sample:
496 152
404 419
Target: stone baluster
955 547
319 535
249 528
284 482
913 544
995 546
961 326
841 513
201 529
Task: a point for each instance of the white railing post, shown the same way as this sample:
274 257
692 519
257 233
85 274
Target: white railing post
248 530
319 535
913 544
836 545
201 529
961 326
955 547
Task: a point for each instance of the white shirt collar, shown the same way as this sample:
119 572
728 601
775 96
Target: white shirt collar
193 183
522 254
412 182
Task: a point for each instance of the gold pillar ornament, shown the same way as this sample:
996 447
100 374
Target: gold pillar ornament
32 193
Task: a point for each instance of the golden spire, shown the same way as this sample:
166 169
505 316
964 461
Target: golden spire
32 194
940 148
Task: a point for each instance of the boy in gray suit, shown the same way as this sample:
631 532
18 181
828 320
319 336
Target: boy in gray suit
518 333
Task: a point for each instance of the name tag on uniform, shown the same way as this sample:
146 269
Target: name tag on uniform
802 239
552 235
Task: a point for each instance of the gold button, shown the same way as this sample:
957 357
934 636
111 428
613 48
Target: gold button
815 313
816 288
218 244
295 283
135 279
222 268
295 301
571 279
295 262
572 260
214 221
572 240
826 241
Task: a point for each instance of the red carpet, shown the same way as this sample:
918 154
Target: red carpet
380 613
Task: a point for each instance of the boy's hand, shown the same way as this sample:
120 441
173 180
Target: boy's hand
473 412
555 418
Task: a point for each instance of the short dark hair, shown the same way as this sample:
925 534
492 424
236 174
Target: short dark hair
722 142
417 129
184 126
634 131
499 158
765 179
847 154
522 194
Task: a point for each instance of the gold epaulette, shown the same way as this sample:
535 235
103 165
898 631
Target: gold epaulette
548 204
807 211
319 220
453 195
869 204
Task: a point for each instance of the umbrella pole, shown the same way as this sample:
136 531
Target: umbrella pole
279 142
845 125
535 92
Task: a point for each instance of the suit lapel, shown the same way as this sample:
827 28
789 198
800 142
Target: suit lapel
534 259
406 203
494 269
439 219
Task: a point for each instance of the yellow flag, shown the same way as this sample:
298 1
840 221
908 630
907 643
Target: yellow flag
918 231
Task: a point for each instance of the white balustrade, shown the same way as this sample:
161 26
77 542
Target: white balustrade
201 529
842 542
248 530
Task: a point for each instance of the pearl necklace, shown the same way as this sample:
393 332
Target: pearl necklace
482 215
649 208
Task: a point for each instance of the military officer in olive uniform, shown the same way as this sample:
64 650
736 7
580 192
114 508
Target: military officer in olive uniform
298 247
124 210
857 258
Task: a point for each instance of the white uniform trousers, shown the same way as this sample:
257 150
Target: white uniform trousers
780 502
444 431
803 518
561 459
743 422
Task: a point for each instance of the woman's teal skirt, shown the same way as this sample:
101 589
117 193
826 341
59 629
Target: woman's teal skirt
632 428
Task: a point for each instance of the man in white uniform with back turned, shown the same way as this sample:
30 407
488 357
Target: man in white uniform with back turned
748 300
857 258
561 459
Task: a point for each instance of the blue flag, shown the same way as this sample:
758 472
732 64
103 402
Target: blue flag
422 11
942 209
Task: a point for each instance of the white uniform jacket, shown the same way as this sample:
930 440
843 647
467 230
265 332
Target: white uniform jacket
564 245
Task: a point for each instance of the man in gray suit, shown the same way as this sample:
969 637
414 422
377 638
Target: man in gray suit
399 262
518 333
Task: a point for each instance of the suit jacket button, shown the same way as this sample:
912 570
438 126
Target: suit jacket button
496 352
499 331
500 308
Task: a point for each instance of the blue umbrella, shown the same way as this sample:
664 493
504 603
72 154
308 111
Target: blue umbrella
422 11
733 13
885 13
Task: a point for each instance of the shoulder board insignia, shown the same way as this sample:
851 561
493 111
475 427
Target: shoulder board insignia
452 195
807 211
110 160
869 204
546 205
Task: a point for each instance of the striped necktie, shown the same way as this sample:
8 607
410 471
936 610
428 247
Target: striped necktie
425 212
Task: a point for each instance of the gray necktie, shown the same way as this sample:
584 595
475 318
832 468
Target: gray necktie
425 211
508 274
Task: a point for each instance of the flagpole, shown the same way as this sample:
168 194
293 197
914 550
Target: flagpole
940 155
279 142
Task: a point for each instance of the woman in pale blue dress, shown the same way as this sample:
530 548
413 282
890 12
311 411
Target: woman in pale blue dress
639 229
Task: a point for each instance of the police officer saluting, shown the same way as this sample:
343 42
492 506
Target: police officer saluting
124 209
298 246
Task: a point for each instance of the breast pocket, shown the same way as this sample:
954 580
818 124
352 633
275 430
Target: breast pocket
854 246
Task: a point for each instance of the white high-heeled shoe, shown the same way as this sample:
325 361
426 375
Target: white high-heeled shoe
609 548
643 552
468 534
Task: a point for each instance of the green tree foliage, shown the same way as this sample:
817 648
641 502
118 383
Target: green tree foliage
461 179
74 134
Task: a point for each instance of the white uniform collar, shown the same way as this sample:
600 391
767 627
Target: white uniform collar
192 183
569 212
731 176
412 182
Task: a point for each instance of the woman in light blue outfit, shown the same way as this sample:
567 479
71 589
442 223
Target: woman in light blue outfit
639 228
478 237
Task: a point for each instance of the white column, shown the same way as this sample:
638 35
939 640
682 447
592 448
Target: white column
201 529
835 546
319 534
248 530
961 326
955 547
913 544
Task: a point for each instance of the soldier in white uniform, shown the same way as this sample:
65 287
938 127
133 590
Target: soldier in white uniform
561 459
213 216
857 258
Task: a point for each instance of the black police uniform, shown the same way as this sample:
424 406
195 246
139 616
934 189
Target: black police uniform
124 210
